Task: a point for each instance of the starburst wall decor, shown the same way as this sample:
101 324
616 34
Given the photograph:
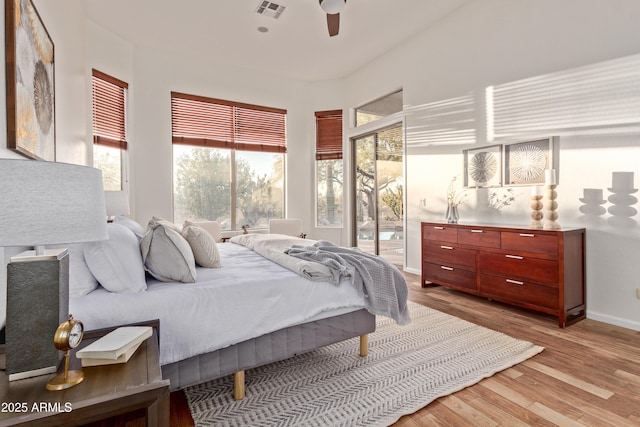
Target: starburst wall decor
525 162
483 167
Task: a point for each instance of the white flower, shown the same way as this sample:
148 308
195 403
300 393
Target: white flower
453 197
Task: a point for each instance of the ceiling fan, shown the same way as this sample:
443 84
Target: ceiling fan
333 8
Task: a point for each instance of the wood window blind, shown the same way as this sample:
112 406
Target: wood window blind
109 110
329 135
209 122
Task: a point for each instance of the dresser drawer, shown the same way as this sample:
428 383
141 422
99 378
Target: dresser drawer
518 290
442 253
531 242
441 233
479 237
449 275
536 269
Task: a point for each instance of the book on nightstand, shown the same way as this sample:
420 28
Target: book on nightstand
116 347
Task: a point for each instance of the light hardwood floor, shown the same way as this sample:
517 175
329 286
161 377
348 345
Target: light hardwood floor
588 374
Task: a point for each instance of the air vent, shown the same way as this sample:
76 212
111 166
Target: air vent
268 8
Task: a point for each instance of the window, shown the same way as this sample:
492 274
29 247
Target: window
379 108
109 127
329 168
228 161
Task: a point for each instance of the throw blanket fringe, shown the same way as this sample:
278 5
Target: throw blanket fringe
380 282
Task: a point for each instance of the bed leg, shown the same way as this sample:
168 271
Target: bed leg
364 345
238 385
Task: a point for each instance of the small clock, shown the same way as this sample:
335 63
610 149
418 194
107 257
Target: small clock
69 334
67 337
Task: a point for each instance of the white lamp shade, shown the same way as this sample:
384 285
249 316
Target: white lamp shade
332 6
46 203
116 203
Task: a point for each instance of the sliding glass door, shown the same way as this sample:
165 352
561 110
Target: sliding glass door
378 193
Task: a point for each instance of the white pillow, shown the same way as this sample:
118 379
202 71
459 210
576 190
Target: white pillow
81 281
116 262
132 225
167 256
202 244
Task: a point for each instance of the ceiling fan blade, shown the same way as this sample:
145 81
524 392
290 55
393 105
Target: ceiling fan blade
333 23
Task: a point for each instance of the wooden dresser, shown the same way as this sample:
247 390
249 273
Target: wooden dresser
542 270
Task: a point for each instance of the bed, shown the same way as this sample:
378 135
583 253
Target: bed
247 312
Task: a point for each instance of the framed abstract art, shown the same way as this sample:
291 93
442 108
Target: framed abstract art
30 82
483 167
525 162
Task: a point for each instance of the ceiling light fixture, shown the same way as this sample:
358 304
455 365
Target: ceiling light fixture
332 6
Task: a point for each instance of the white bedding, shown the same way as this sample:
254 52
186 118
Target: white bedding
248 296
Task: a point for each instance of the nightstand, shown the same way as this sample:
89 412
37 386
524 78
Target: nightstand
110 393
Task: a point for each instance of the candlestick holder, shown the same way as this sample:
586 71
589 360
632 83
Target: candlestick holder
551 208
536 211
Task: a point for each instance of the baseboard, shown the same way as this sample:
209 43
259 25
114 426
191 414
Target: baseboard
612 320
412 271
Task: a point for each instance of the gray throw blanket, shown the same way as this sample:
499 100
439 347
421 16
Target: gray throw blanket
380 282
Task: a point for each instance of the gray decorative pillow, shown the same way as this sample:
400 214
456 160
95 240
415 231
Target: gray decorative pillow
167 256
202 244
166 223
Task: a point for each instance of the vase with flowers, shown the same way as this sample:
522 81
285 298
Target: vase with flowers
454 199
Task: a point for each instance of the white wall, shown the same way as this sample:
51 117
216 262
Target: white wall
497 42
156 74
82 45
485 43
110 54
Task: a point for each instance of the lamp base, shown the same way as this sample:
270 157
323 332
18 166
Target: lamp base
37 302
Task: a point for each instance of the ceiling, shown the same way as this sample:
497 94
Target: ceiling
296 45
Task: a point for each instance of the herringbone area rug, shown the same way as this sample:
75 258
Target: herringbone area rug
407 368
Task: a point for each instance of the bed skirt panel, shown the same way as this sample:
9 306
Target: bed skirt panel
268 348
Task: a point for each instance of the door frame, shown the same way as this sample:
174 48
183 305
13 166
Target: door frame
350 193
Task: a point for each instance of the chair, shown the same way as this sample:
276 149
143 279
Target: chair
212 227
289 227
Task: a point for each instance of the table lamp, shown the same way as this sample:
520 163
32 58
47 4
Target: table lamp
43 203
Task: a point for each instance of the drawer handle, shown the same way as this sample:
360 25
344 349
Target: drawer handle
527 235
446 247
438 228
477 231
515 282
446 268
514 256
